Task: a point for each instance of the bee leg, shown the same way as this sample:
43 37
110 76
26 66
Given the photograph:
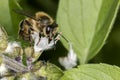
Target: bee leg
49 39
57 38
38 41
30 38
30 41
39 38
54 44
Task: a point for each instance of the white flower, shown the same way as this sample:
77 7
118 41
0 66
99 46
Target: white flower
3 69
4 78
70 60
41 44
11 46
23 78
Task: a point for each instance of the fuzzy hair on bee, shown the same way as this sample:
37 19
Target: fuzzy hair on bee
25 30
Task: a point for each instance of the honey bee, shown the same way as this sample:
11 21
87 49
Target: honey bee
41 23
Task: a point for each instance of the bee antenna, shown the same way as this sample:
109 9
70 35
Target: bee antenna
64 38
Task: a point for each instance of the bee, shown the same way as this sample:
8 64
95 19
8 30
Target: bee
41 23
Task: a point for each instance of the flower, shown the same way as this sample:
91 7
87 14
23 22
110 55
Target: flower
41 44
4 78
3 69
70 60
11 46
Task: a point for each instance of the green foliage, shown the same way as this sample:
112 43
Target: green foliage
53 72
93 72
15 18
5 19
86 23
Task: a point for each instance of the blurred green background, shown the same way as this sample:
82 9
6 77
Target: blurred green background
110 53
49 6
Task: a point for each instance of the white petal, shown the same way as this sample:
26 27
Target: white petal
11 46
4 78
72 55
23 78
41 44
3 69
70 60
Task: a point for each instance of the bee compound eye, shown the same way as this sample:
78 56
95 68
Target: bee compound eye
48 30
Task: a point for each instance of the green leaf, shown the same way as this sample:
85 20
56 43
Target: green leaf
93 72
3 39
53 72
86 23
5 18
8 18
15 18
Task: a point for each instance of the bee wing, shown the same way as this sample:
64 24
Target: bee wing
25 13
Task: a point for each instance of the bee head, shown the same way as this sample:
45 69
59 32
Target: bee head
51 30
